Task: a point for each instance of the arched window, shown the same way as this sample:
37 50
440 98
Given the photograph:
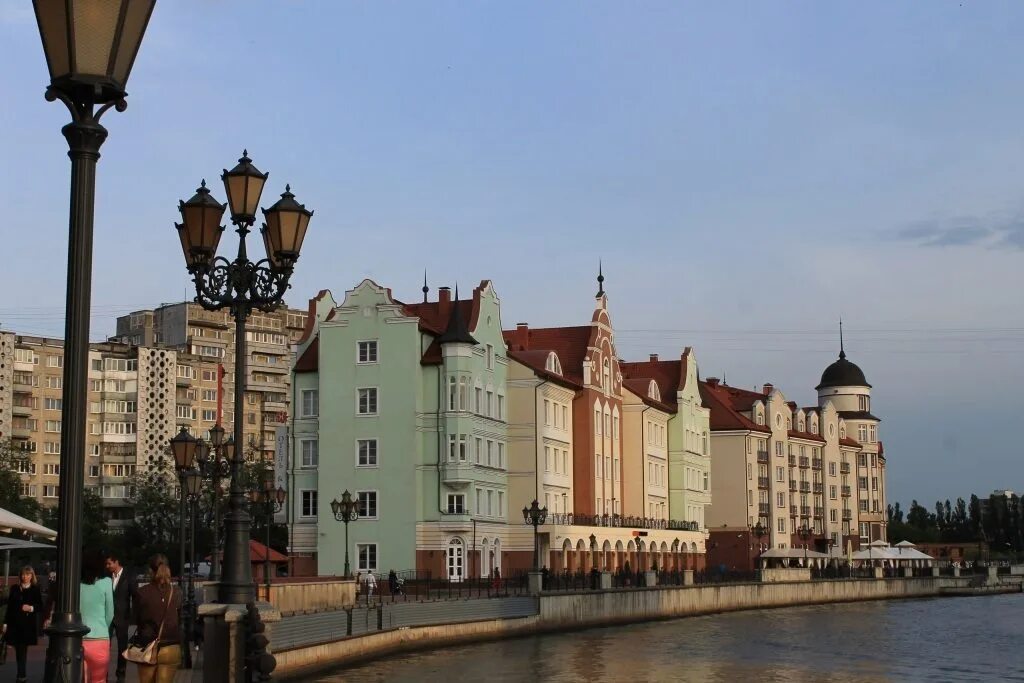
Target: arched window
653 391
553 364
485 558
456 560
606 376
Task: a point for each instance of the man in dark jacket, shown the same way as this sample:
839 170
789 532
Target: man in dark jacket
126 592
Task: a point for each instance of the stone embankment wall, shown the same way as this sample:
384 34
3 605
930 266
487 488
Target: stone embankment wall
562 611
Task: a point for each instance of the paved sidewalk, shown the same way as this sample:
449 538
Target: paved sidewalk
37 655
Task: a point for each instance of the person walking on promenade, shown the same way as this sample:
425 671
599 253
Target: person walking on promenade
393 583
156 613
371 584
96 604
21 624
126 593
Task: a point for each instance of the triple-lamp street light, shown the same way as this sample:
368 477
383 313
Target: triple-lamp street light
345 510
535 516
805 533
270 502
240 286
90 47
214 461
184 448
760 531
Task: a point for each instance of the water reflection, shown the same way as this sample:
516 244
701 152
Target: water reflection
961 639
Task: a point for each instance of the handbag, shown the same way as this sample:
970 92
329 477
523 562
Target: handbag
147 653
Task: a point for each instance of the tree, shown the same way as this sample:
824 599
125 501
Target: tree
94 528
154 527
11 457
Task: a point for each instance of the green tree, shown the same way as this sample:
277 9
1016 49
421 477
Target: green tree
11 457
154 526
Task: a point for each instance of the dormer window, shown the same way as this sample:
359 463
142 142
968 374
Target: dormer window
653 391
865 403
553 364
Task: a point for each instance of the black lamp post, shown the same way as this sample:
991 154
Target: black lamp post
183 448
240 286
270 502
90 47
760 531
805 533
345 510
214 461
535 516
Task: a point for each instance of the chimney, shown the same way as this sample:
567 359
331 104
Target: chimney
654 358
712 381
522 326
444 294
767 388
521 336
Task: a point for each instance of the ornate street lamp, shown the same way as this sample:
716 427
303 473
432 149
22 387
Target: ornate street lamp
805 533
214 461
183 448
271 502
345 510
760 531
90 47
240 286
535 516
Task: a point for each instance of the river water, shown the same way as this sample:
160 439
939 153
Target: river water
939 639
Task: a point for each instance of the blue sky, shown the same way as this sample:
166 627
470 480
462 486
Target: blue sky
748 172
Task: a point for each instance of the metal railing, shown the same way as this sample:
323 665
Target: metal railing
416 585
572 519
762 482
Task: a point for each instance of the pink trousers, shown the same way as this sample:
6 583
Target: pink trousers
97 659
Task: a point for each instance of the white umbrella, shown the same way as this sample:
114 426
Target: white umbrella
10 522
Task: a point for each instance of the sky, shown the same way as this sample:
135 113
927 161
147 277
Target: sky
748 173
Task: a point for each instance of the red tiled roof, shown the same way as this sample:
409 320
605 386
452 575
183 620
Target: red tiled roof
742 399
258 553
807 436
847 441
537 361
724 416
309 361
570 343
640 386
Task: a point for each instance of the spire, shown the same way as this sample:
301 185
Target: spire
425 288
457 332
600 279
842 352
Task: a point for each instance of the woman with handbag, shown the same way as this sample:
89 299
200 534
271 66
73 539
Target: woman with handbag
156 649
96 604
21 624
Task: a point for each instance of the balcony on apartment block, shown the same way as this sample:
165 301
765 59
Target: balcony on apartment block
805 487
805 462
816 463
819 512
763 509
792 461
844 468
458 472
805 510
792 510
819 488
762 482
792 486
845 490
847 515
762 456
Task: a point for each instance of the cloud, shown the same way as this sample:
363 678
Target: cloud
992 232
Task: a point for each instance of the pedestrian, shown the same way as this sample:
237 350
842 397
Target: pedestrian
96 605
156 613
371 584
393 583
497 580
21 624
126 592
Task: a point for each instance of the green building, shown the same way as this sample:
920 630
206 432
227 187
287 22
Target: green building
404 406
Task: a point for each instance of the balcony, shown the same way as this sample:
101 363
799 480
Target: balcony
274 407
846 491
805 462
458 473
805 487
762 482
792 461
21 432
847 515
816 463
762 456
792 510
274 422
24 411
792 486
763 509
844 468
819 488
805 510
819 512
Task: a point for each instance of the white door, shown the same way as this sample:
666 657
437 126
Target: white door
455 560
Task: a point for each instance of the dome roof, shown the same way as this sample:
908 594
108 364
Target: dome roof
842 373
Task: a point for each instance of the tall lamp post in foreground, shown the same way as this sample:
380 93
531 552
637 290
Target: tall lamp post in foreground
90 47
535 516
269 502
805 533
183 448
345 510
240 286
760 531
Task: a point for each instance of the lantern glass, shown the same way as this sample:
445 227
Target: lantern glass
183 447
286 222
268 482
281 495
193 482
335 507
217 435
201 217
229 449
202 452
526 516
90 45
244 185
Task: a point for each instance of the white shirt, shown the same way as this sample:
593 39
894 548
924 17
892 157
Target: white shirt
117 577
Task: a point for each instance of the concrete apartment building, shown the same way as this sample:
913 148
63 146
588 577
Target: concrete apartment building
788 467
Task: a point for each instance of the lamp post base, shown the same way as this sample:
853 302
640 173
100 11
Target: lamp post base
535 582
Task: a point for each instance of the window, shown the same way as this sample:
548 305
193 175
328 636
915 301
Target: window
94 470
367 401
490 357
367 352
51 469
310 402
184 412
832 469
547 459
874 483
779 448
457 503
780 474
366 453
862 483
479 403
832 493
862 433
208 375
24 466
750 471
500 415
367 503
51 447
210 415
833 515
862 459
864 505
872 433
52 403
864 403
366 554
501 455
54 382
50 491
310 452
94 450
308 503
53 426
780 499
781 525
463 393
209 395
25 356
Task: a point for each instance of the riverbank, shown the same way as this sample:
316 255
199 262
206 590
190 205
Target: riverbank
580 610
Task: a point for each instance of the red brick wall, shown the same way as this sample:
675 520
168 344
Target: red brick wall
735 548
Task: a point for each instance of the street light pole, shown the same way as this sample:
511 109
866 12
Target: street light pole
269 502
240 286
536 516
184 447
345 510
805 533
89 54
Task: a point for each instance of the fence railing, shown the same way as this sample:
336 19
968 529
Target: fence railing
413 585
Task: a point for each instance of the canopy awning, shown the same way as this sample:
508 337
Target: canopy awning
19 544
10 522
792 554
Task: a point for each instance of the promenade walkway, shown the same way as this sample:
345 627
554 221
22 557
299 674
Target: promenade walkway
36 657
